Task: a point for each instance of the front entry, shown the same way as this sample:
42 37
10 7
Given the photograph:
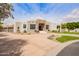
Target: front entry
41 26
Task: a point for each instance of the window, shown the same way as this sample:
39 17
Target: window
32 26
24 25
47 26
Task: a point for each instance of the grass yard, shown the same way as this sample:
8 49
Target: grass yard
67 32
63 39
70 32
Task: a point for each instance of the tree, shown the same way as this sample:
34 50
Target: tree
72 25
63 26
69 26
58 27
5 12
77 24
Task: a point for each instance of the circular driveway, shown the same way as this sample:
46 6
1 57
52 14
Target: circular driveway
70 50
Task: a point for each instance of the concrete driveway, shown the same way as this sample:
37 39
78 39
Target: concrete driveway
35 45
28 45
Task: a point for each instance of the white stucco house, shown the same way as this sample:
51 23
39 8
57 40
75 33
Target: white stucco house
32 26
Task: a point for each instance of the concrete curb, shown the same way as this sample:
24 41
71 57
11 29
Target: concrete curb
60 47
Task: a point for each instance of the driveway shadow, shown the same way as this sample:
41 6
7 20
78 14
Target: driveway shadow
11 47
3 35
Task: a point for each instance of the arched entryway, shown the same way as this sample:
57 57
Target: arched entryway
41 26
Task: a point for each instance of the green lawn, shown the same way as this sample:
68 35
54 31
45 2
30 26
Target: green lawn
63 39
65 32
70 32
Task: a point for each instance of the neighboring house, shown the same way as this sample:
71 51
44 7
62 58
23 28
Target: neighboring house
8 28
64 30
75 30
32 26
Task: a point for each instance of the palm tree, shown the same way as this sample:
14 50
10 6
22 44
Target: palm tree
58 27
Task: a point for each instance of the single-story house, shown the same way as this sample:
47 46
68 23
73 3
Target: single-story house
32 26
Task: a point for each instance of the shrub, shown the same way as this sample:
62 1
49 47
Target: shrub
54 31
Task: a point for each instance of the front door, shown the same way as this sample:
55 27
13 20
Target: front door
41 27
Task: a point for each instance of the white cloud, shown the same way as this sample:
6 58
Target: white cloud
72 17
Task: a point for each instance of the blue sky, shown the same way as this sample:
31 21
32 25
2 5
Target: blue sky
48 11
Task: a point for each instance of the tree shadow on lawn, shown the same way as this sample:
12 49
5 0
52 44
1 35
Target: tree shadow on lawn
11 47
